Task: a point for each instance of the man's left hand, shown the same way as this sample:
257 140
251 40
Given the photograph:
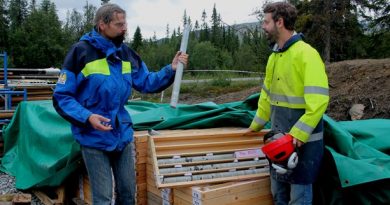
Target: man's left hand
297 142
179 57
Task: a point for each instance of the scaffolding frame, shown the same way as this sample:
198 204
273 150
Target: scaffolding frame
7 92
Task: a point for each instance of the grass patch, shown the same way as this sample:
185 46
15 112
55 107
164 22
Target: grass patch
215 87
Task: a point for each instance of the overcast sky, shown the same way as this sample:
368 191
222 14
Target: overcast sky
154 15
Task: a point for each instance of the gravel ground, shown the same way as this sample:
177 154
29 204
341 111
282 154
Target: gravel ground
7 186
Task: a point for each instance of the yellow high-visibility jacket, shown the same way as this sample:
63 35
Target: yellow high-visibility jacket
296 82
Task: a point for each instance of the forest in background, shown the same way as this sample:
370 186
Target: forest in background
35 37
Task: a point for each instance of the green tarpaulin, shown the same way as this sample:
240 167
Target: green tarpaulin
40 150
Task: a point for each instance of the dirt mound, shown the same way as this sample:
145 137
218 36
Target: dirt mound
351 82
364 82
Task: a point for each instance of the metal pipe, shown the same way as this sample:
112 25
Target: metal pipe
180 67
47 71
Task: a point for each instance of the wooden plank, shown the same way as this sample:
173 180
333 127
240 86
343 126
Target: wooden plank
154 159
221 190
207 144
231 193
212 181
45 199
180 201
15 199
206 134
196 140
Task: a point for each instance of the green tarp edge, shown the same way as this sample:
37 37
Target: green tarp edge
40 150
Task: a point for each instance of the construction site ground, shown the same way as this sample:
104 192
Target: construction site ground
363 81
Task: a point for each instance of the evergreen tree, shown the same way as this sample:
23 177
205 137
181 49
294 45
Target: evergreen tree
167 32
32 6
89 13
185 18
204 33
17 13
137 40
39 42
215 28
105 1
3 26
74 27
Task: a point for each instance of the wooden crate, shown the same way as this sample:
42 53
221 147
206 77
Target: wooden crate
15 199
192 157
254 192
140 158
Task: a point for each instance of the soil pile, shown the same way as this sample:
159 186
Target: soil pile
363 81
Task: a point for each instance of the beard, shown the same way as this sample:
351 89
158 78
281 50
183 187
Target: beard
118 40
272 35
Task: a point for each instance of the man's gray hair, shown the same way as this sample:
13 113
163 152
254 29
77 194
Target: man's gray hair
106 13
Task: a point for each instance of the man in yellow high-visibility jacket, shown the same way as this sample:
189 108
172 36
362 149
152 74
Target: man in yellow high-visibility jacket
294 98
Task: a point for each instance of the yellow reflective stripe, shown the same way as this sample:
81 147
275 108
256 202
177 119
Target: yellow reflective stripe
259 121
316 90
99 66
266 90
126 67
287 99
304 127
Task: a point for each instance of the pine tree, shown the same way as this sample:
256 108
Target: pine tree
105 1
17 13
3 27
89 13
137 40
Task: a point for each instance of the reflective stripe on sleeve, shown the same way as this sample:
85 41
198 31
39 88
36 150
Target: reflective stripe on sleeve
304 127
316 90
259 121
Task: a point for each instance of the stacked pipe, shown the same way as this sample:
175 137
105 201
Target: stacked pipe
39 82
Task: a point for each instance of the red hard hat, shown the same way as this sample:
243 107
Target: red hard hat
280 149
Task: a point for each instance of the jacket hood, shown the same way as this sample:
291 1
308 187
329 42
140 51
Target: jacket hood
100 42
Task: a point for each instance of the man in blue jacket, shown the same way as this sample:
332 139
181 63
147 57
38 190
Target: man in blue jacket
95 83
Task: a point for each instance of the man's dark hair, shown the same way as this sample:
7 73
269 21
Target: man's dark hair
283 10
106 13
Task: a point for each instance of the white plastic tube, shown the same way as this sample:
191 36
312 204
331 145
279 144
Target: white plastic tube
179 69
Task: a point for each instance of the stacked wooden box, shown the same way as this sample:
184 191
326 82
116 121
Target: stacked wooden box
184 162
230 193
140 153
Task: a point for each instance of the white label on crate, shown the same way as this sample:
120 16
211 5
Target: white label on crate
196 201
209 154
196 194
165 195
235 160
166 203
256 159
188 174
176 157
248 153
178 166
167 190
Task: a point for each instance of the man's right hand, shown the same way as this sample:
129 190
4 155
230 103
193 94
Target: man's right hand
99 122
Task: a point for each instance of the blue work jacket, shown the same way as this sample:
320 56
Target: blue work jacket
97 78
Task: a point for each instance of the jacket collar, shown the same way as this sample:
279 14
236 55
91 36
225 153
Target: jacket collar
100 42
294 38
